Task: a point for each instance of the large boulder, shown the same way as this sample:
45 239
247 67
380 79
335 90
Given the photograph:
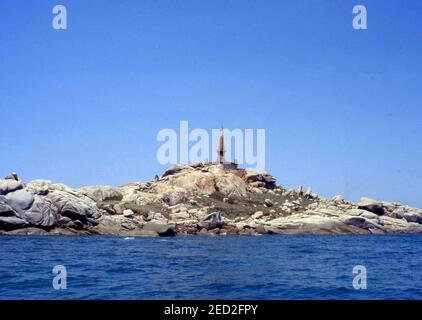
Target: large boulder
19 200
371 205
5 209
162 229
10 185
413 217
338 198
42 213
360 222
364 214
77 208
211 221
39 187
9 218
12 176
11 223
264 177
230 185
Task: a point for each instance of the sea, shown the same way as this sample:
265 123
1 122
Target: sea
220 267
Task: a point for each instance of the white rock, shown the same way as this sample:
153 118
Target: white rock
338 198
258 214
128 213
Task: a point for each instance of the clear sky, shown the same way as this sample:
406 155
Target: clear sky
342 108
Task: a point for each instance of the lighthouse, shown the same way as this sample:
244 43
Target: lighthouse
221 155
221 151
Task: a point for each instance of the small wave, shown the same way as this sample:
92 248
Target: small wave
129 238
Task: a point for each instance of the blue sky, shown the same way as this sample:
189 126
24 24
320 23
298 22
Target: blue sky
341 108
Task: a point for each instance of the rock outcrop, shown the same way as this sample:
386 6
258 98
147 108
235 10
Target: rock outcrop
202 199
42 204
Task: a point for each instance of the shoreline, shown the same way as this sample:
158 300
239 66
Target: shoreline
205 236
197 199
85 234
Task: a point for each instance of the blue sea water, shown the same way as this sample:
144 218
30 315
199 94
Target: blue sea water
225 267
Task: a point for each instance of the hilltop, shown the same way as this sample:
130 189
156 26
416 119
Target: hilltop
202 199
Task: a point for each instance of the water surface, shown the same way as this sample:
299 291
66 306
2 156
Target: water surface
224 267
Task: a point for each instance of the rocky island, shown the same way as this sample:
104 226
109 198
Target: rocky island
197 199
